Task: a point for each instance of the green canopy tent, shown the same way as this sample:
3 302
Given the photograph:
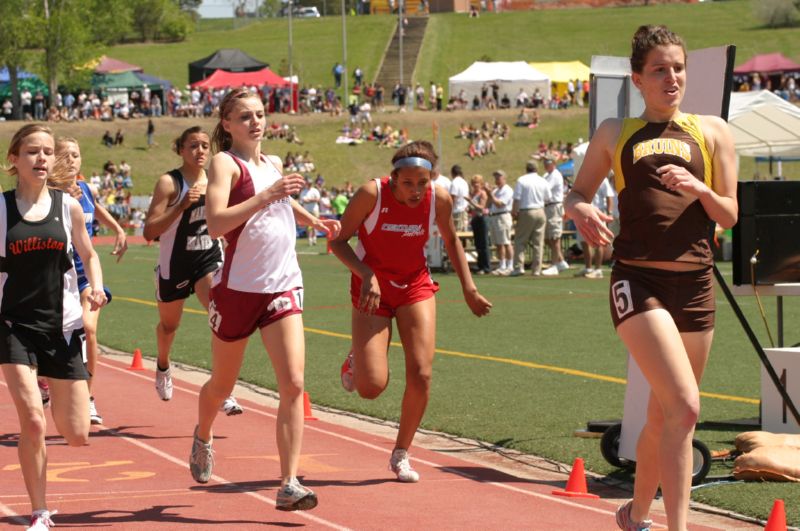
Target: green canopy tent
31 83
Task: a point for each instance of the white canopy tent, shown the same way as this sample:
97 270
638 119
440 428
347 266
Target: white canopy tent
509 76
764 125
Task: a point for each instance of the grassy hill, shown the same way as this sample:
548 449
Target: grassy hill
454 41
317 45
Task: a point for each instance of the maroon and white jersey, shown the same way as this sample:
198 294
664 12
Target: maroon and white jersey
260 257
391 241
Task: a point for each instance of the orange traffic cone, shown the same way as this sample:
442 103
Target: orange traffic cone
136 363
576 484
307 407
777 518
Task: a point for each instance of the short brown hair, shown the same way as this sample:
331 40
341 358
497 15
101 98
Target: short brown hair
419 148
16 141
648 37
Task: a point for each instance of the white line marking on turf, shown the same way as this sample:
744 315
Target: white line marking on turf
432 464
182 464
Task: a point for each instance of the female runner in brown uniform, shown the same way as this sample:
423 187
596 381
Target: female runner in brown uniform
675 174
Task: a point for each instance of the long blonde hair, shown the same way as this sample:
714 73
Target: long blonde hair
59 177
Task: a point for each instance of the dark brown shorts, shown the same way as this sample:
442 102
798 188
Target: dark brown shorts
688 296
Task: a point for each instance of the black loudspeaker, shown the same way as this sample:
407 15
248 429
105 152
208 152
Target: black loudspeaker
769 223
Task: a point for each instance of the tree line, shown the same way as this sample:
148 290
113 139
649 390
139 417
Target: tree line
58 38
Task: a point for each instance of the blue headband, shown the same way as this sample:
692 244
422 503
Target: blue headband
413 161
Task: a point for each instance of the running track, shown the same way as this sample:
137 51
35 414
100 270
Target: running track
134 474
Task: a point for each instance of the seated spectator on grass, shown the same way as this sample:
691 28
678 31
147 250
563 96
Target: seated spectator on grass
538 99
522 98
476 103
505 102
108 140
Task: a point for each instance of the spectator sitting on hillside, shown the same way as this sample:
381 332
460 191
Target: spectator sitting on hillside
108 140
119 138
476 103
505 102
528 117
522 98
293 138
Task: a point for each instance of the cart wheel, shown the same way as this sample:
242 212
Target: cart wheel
609 447
701 461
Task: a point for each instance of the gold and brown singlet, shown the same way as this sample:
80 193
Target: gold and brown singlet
656 223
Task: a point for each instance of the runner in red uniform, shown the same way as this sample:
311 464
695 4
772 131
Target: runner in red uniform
390 279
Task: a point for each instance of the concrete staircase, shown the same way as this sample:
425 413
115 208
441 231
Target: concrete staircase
389 73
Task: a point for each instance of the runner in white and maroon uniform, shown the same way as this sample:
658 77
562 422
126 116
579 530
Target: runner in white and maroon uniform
40 311
390 279
259 286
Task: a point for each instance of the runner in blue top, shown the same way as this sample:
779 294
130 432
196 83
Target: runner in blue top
66 177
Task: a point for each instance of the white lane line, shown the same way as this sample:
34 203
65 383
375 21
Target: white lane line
432 464
182 463
8 511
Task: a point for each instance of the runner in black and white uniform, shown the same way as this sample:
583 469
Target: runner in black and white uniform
188 256
41 331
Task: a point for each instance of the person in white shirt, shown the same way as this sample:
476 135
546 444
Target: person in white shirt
554 210
530 195
309 199
593 256
501 198
443 181
459 190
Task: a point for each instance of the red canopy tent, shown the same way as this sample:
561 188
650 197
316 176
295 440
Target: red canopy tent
258 78
222 79
768 63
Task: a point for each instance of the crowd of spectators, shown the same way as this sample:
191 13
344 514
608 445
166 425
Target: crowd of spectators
482 139
785 85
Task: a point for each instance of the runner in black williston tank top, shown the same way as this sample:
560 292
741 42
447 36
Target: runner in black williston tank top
41 330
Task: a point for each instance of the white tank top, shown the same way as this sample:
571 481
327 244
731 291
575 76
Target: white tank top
260 257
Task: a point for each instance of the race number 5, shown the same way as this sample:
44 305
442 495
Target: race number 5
623 301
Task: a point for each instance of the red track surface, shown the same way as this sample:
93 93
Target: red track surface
134 474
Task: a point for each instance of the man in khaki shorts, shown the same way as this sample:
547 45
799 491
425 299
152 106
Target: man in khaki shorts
554 210
501 198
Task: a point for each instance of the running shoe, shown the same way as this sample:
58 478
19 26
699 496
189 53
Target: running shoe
551 271
295 497
40 521
400 465
201 461
347 373
44 389
94 416
583 272
626 523
595 273
231 407
164 383
562 266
